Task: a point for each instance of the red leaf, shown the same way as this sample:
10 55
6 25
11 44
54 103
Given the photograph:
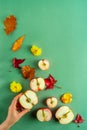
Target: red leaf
47 82
50 82
78 119
53 81
17 62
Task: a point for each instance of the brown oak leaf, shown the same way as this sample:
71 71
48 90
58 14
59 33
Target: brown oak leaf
28 72
10 24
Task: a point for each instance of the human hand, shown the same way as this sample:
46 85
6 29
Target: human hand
13 114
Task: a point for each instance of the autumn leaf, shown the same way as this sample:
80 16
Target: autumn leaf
17 62
50 82
28 72
18 43
10 24
78 119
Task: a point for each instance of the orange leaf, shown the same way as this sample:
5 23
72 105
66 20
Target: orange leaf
28 72
18 43
10 24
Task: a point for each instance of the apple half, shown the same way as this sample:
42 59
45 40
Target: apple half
28 99
44 64
51 102
44 114
37 84
64 115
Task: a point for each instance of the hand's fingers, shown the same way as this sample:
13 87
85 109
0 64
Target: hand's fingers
24 112
15 99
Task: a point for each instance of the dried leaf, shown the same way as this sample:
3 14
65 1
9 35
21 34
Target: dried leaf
50 82
18 43
10 24
27 72
17 62
79 119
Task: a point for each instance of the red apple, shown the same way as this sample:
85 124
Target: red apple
51 102
44 64
64 115
28 99
44 114
37 84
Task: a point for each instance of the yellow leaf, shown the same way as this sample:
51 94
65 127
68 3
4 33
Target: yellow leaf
18 43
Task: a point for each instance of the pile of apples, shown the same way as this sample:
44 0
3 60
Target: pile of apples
29 99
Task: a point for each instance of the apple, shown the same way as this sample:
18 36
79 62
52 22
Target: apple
37 84
64 115
44 64
44 114
51 102
19 107
28 99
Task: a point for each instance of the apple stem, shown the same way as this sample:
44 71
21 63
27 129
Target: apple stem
28 99
65 115
58 87
43 114
51 101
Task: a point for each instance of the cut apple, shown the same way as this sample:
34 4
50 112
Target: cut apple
51 102
44 114
37 84
28 99
44 64
64 115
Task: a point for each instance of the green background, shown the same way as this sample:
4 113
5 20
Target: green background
59 27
